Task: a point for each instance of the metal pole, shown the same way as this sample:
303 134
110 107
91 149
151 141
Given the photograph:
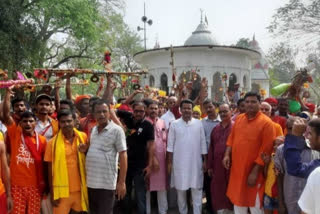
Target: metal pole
145 30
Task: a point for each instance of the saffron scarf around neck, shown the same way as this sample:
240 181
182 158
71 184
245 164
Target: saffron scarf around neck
60 172
37 151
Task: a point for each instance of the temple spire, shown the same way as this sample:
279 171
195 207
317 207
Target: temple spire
201 11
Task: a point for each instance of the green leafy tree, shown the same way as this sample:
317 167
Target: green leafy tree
36 32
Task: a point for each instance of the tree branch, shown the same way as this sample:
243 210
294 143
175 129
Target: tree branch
66 59
29 4
57 50
80 55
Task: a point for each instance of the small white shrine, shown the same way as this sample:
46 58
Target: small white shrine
202 56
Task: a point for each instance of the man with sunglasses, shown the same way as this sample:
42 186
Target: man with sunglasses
140 149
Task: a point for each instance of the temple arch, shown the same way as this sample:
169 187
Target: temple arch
164 83
192 76
151 81
217 88
232 81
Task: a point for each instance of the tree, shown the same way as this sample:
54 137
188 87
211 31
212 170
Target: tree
282 67
298 19
35 32
243 43
121 41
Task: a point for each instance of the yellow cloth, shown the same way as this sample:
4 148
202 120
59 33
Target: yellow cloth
162 93
271 178
197 109
271 175
59 167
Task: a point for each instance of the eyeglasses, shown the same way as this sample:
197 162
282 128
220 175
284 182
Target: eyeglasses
138 111
223 112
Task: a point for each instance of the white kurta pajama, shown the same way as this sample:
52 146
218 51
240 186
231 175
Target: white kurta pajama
187 142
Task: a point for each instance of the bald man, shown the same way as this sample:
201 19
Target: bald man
266 109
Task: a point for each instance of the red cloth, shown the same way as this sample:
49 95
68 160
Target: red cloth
80 98
54 115
25 200
176 112
3 203
37 155
282 121
271 100
87 123
125 107
311 107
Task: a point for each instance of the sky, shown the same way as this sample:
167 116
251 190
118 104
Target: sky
229 20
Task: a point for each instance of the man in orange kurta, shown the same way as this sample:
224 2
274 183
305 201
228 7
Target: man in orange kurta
251 136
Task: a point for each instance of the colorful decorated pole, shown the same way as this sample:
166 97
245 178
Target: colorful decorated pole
84 82
8 83
75 71
224 78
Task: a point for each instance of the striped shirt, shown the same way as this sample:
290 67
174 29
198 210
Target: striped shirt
102 156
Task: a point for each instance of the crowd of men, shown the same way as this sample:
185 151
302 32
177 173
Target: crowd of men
92 155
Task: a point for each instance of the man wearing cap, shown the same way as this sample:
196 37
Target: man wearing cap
82 105
276 118
45 125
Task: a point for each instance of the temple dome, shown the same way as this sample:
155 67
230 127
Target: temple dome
201 36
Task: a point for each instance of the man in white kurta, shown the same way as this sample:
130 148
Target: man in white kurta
169 117
187 151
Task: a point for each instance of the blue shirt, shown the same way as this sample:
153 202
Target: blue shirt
293 146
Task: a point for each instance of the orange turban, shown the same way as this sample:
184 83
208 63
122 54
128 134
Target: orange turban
80 98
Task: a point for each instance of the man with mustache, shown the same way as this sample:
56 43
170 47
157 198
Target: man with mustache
87 123
219 175
168 117
141 148
45 125
186 152
66 158
208 123
251 136
26 167
158 178
82 105
19 106
107 145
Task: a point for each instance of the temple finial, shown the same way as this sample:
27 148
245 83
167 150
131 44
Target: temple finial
201 11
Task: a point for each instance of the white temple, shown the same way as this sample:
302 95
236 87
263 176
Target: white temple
201 56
